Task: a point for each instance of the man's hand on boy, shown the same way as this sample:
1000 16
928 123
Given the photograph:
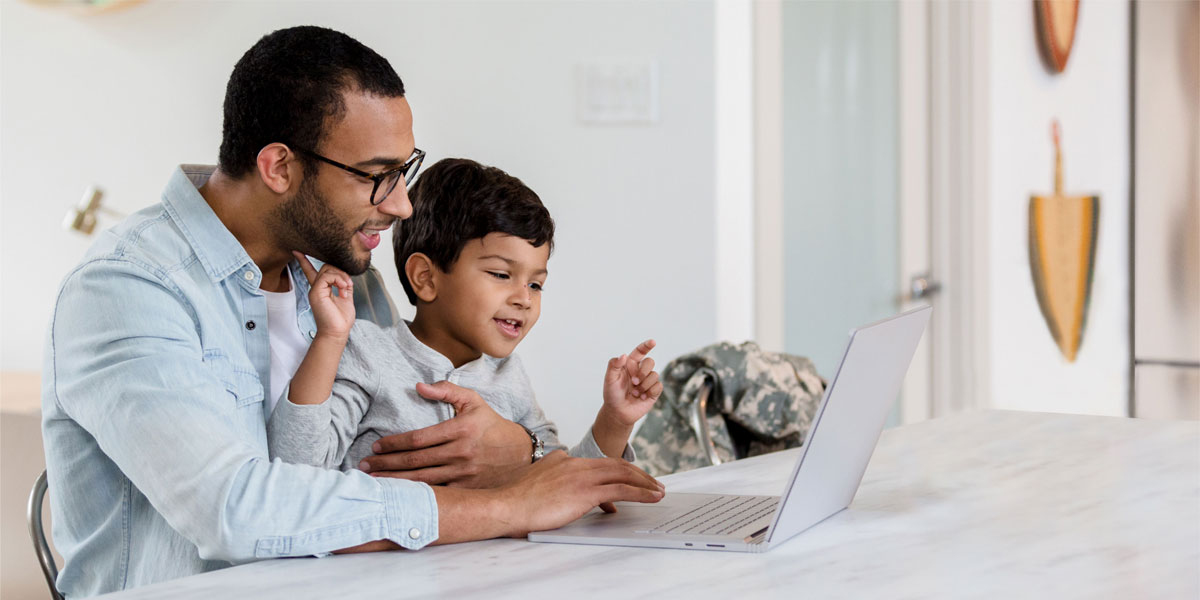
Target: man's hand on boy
477 448
334 314
631 385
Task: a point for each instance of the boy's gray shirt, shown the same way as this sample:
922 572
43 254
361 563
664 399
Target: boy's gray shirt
375 395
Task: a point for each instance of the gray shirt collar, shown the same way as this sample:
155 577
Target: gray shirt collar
419 353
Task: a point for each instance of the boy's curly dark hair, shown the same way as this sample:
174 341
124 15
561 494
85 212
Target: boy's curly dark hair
457 200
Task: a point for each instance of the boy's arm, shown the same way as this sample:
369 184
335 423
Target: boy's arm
611 436
302 429
320 434
334 314
631 388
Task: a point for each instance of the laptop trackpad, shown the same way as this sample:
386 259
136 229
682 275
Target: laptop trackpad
677 513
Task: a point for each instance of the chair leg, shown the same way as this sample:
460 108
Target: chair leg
37 533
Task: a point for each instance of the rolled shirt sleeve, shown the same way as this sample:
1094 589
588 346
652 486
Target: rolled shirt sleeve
588 448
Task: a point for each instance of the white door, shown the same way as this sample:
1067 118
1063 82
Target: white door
855 213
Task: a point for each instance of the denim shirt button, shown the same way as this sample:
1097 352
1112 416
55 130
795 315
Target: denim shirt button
414 533
312 334
249 275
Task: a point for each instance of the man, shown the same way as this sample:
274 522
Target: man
164 355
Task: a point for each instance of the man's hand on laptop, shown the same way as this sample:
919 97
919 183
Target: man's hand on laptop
559 489
477 448
545 495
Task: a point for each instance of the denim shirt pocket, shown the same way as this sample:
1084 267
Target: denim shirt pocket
242 384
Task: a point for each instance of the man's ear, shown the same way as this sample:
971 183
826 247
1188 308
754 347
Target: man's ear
421 273
278 168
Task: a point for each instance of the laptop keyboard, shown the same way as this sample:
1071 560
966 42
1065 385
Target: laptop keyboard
721 515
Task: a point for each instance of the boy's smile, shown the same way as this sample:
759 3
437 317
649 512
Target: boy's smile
487 302
510 327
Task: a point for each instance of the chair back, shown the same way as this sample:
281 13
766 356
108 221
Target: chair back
37 533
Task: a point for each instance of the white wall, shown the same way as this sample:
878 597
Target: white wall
1091 101
118 99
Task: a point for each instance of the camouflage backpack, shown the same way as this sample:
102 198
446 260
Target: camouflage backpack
725 402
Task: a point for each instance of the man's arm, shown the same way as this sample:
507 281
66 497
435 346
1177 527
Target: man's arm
130 368
546 495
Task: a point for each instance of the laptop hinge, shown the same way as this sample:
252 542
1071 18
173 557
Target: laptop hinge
757 536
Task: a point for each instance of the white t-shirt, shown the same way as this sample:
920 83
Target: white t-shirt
288 346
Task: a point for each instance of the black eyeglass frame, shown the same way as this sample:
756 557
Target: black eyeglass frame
408 171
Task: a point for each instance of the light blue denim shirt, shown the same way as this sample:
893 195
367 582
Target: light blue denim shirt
152 399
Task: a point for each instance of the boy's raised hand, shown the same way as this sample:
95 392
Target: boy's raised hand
631 385
334 314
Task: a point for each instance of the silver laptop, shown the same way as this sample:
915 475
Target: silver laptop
823 482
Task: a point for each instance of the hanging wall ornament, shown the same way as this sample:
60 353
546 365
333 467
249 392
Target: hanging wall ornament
1062 257
1056 21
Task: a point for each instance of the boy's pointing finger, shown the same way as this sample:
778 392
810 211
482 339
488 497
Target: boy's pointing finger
642 350
310 272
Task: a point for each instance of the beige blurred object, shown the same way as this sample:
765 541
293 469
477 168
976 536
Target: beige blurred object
85 7
84 215
1167 392
1056 21
1166 207
21 461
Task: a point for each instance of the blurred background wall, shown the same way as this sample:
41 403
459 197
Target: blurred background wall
118 99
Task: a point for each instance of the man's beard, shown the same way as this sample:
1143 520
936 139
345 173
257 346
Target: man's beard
306 222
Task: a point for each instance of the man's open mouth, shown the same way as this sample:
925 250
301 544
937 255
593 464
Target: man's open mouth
369 233
369 238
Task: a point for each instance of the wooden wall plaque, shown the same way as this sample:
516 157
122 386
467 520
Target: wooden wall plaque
1056 20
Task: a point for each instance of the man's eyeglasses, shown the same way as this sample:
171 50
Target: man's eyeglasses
384 182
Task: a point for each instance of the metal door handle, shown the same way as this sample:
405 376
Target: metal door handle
920 287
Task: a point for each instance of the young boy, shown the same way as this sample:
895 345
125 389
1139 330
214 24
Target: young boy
472 259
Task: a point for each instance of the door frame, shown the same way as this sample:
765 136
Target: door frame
943 154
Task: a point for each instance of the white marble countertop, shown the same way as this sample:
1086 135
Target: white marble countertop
983 505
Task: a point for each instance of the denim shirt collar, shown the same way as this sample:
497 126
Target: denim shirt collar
304 317
219 252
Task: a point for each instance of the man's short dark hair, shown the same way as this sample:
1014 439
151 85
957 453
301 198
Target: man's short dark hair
288 88
458 200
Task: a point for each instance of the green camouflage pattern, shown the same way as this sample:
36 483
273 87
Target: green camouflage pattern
759 402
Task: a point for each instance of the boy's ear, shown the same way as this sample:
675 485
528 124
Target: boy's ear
420 270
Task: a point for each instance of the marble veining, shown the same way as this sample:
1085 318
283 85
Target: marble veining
981 505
